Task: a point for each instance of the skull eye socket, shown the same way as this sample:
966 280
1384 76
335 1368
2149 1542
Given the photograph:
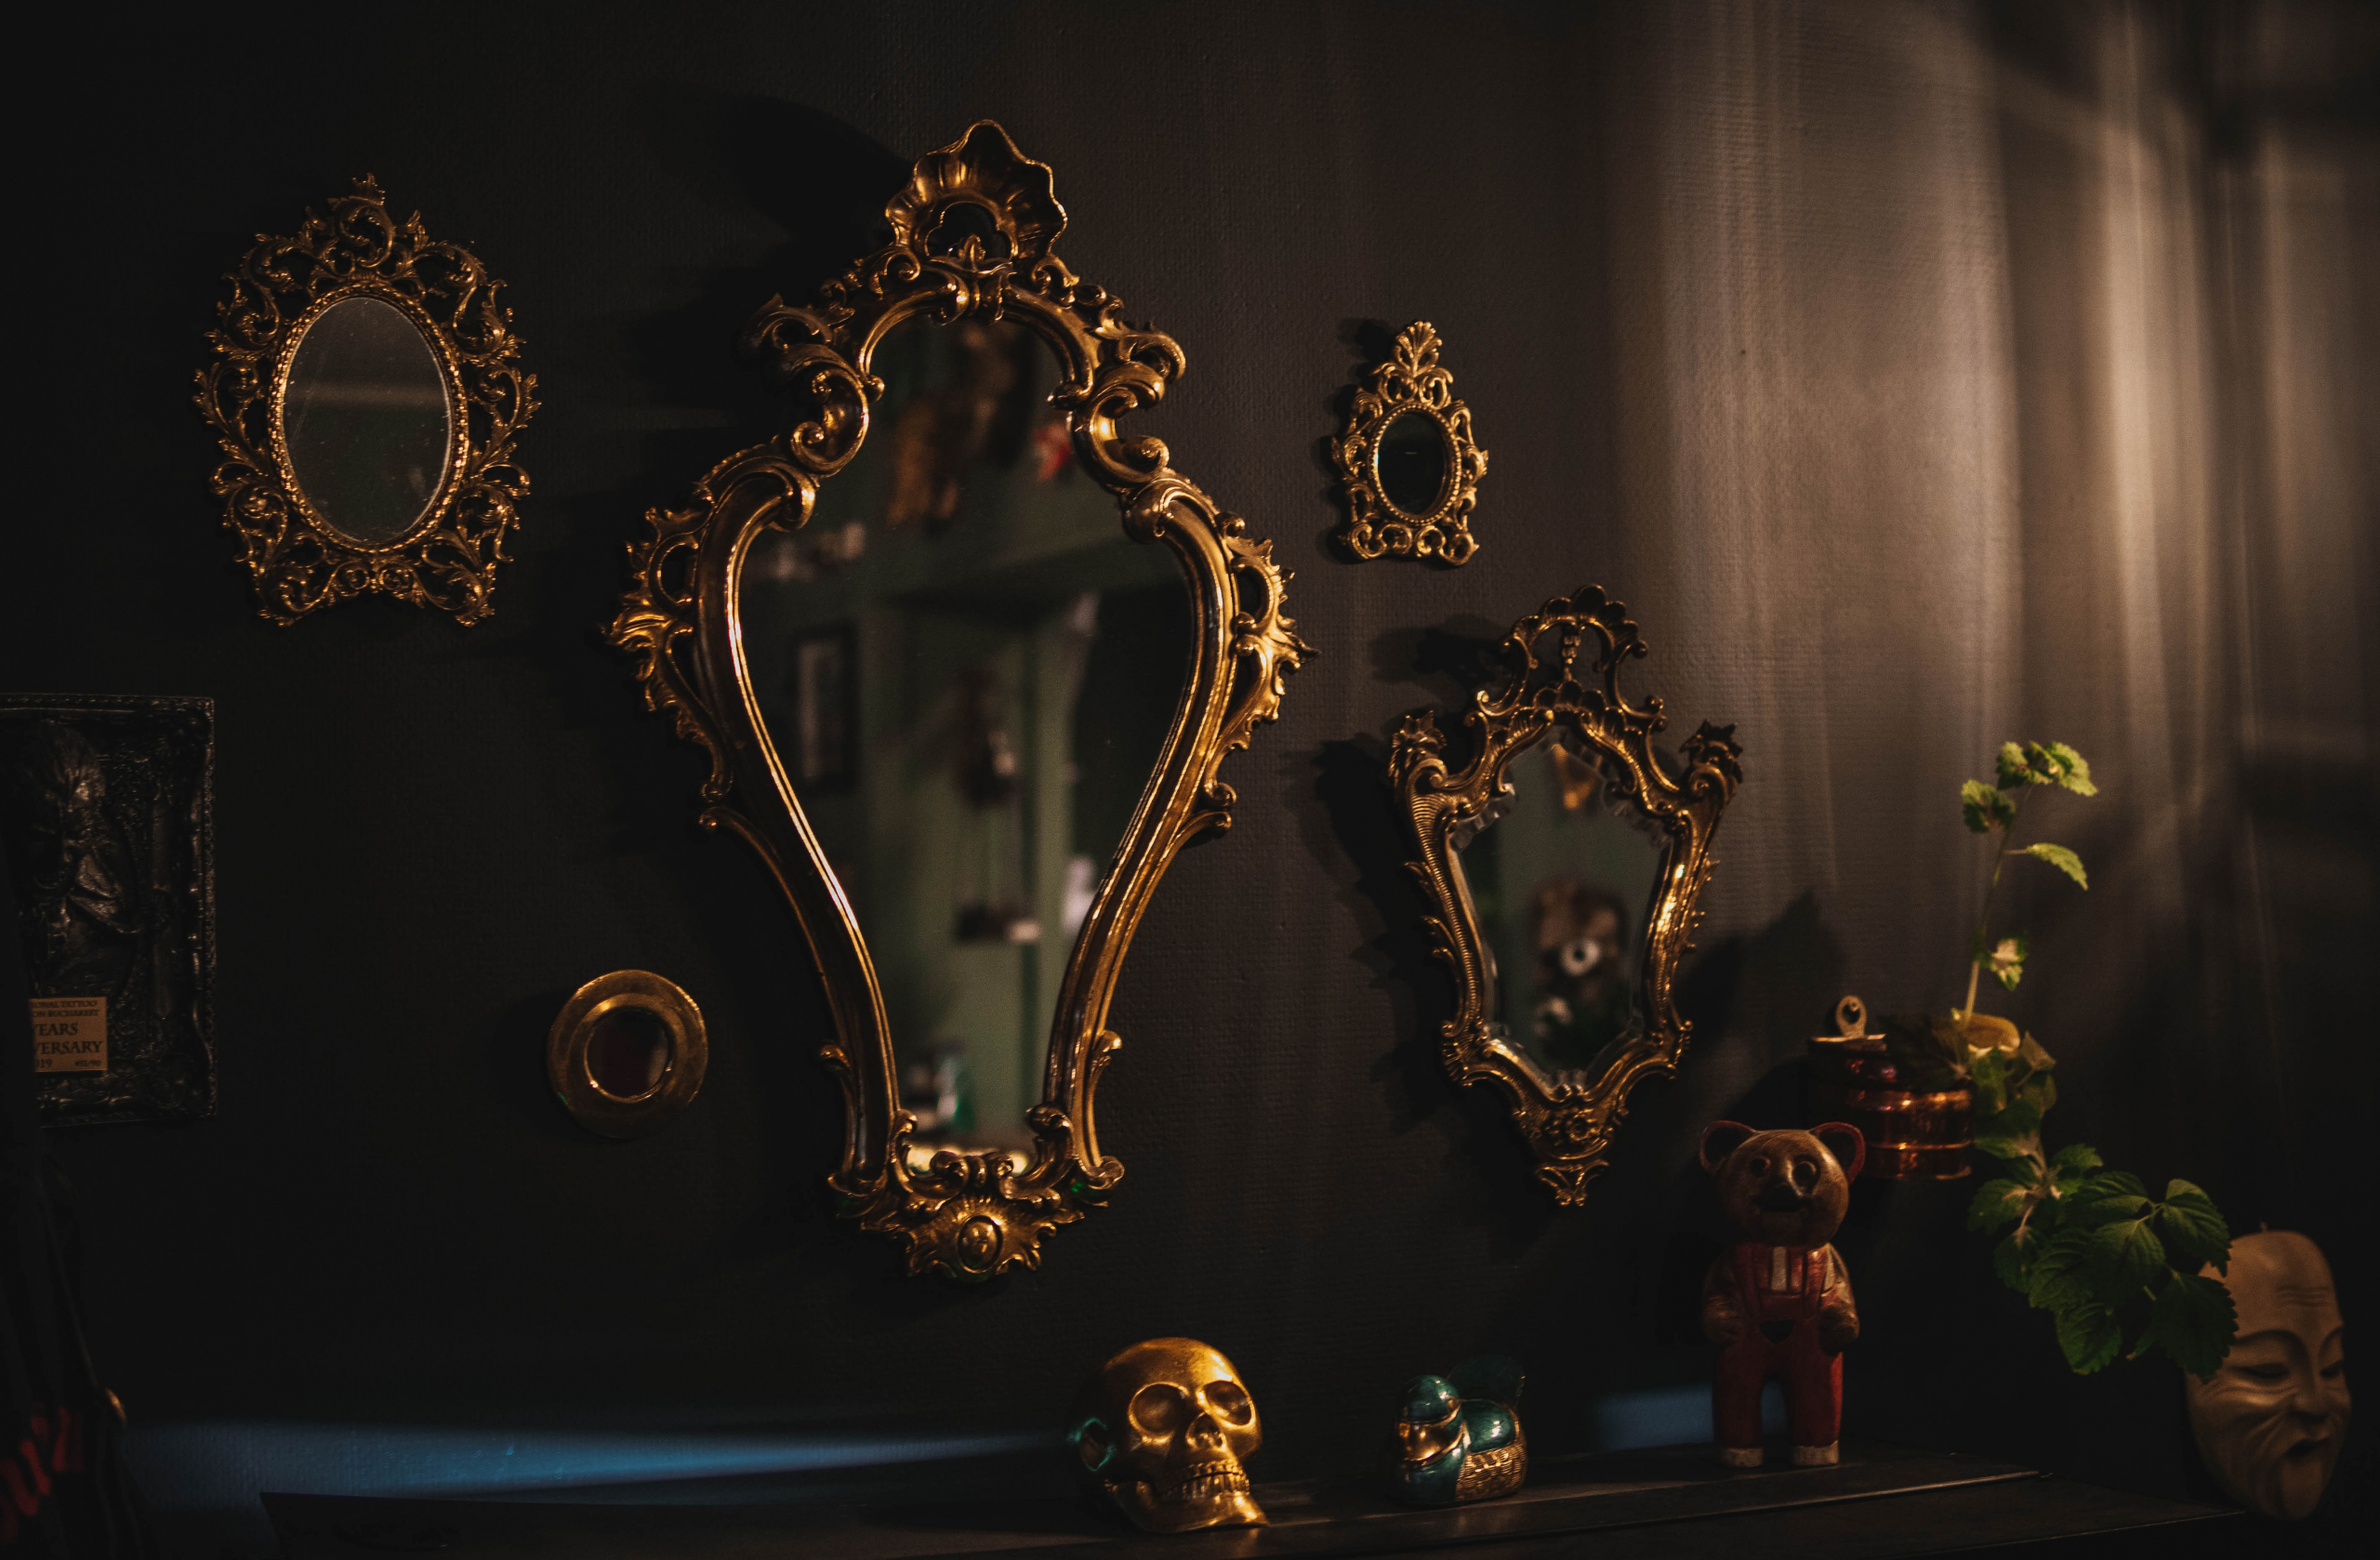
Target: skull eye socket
1092 1443
1806 1173
1760 1164
1158 1408
1227 1401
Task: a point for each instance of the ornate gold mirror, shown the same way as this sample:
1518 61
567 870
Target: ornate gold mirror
950 700
1406 461
366 396
1562 852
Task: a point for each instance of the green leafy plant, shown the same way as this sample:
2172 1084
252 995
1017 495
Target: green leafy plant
2117 1269
1996 810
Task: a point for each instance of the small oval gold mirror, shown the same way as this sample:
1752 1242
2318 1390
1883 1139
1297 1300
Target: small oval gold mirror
626 1052
366 393
365 418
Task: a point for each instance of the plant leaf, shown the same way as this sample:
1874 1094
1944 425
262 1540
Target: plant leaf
1997 1203
1985 808
2015 1119
2077 1157
2107 1196
2006 960
2194 1321
2125 1256
2068 1165
2066 861
2192 1227
2013 1258
1988 1072
2013 771
2031 1054
2074 771
2060 1279
2040 1092
2089 1335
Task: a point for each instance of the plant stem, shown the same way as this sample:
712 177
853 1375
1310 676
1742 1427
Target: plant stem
1983 922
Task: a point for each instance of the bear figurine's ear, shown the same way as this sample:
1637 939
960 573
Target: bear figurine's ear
1858 1146
1721 1139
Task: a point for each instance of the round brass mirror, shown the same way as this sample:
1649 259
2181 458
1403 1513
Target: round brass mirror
366 420
626 1052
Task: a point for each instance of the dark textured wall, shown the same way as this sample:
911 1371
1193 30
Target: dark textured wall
1921 376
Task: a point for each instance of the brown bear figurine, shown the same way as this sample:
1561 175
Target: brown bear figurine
1779 1303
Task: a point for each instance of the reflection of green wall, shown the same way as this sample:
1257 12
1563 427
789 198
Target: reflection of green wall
1117 728
1540 838
997 590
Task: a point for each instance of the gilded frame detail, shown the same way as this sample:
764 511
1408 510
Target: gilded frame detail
1411 381
1564 663
966 1215
300 563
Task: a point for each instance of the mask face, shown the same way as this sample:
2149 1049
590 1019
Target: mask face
2271 1421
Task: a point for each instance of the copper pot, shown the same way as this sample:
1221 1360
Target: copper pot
1916 1117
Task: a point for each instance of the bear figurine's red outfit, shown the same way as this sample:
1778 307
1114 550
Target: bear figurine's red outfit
1780 1285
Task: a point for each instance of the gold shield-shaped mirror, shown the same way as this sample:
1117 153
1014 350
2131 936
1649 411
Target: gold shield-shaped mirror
1561 854
1407 461
365 394
951 701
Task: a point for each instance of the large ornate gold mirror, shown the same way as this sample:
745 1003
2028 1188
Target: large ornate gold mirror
365 395
963 715
1562 852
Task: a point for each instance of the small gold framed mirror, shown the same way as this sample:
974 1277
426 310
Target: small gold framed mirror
949 698
1407 461
626 1053
1562 855
365 394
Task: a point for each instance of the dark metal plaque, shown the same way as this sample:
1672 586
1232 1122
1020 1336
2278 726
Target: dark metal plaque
107 814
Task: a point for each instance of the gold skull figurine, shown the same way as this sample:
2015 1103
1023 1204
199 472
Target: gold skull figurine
1165 1428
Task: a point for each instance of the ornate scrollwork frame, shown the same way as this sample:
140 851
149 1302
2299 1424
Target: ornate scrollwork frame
1569 1119
1410 381
971 235
447 560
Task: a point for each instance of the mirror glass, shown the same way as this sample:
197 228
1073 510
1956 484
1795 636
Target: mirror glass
365 419
627 1052
1413 462
1563 884
968 672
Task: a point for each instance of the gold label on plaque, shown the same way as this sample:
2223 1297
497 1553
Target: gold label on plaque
69 1034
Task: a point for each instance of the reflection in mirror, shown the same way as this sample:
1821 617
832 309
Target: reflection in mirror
967 671
628 1052
1413 462
1562 884
1560 924
366 420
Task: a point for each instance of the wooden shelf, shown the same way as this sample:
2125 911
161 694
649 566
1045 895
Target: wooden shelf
1881 1500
